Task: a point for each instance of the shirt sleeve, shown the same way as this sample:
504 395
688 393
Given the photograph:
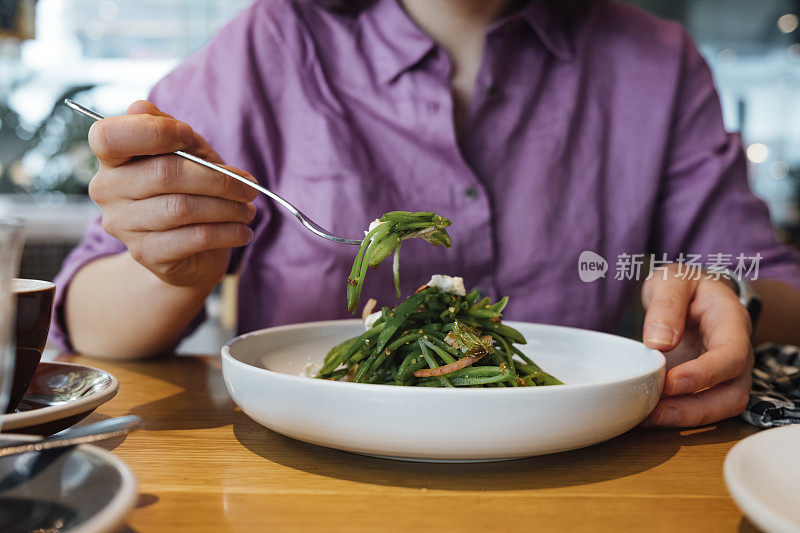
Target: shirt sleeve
706 206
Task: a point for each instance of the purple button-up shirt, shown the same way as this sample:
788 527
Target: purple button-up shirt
603 134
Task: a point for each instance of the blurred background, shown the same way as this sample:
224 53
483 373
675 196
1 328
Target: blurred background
107 53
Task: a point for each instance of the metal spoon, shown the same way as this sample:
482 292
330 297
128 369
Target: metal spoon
106 429
307 222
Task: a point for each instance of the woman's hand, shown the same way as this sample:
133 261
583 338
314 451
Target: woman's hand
704 332
177 218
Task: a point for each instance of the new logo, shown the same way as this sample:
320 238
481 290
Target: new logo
591 266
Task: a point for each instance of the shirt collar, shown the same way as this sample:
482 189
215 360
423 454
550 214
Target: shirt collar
391 40
394 43
548 25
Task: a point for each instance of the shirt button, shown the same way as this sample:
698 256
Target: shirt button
471 193
433 107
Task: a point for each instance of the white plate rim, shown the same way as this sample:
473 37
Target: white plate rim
750 503
227 357
44 415
113 514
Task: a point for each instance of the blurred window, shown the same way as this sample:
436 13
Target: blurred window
107 52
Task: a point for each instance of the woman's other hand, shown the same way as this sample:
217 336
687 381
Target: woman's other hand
704 332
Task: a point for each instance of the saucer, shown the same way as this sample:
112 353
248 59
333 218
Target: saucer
60 395
763 477
82 489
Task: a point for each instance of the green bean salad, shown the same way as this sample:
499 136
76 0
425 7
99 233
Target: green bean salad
436 338
385 236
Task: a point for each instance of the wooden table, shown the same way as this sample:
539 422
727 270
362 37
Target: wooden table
203 465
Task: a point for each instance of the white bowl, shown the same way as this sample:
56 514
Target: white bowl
611 384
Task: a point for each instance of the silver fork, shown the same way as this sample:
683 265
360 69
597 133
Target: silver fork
304 220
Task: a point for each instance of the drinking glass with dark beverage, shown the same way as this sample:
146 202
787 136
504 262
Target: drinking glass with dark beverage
11 239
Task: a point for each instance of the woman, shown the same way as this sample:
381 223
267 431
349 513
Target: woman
541 131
